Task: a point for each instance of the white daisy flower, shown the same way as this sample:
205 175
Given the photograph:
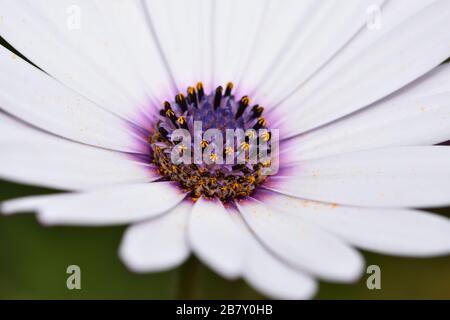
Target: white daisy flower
360 102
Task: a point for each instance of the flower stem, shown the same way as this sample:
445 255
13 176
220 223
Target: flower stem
188 280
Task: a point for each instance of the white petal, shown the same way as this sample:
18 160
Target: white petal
215 238
33 157
272 277
398 232
416 115
103 65
400 56
299 38
133 26
221 239
115 205
31 95
238 27
301 244
283 26
393 14
183 31
157 244
393 177
267 273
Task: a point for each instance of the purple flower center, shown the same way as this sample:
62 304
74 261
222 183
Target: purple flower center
225 165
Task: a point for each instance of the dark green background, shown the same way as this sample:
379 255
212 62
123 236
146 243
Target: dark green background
33 262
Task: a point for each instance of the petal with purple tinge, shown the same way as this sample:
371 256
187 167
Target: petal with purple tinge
109 206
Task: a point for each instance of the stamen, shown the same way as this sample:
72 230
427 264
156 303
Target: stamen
266 136
251 134
181 101
192 96
163 132
229 150
244 146
170 113
213 157
182 148
260 124
245 101
204 144
257 111
182 121
218 97
228 89
201 93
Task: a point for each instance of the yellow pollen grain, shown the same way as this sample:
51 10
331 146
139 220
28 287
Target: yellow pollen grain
265 136
244 146
181 120
204 143
251 134
262 121
213 157
228 150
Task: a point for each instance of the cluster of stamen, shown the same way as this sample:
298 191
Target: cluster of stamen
218 110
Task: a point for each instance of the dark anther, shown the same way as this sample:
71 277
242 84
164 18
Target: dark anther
200 91
261 123
182 122
228 89
204 144
181 101
163 132
170 113
218 97
245 101
257 111
192 96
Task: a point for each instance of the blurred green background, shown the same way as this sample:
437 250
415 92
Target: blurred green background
34 258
